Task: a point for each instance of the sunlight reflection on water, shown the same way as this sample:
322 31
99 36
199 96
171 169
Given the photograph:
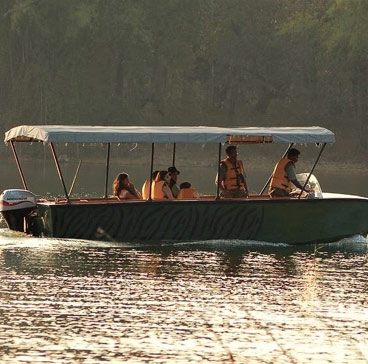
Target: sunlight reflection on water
92 302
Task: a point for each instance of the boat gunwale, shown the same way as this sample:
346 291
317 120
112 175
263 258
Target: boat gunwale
207 200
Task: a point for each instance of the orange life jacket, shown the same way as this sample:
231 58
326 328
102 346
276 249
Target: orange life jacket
145 189
234 175
279 177
187 193
157 193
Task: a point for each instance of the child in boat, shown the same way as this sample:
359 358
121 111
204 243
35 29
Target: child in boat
187 191
123 189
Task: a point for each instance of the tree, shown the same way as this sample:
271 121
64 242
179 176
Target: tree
346 41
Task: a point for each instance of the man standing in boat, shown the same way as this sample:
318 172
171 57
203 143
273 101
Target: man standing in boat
232 178
284 174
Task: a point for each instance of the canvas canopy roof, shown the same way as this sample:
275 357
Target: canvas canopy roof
167 134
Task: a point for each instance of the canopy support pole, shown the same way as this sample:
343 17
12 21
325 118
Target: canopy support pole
107 168
59 170
269 178
218 173
75 178
311 172
151 172
174 152
12 144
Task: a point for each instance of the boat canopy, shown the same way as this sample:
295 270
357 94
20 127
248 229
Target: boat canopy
167 134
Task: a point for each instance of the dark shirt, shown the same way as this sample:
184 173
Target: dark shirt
174 188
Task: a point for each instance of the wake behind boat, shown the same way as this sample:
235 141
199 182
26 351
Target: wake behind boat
317 217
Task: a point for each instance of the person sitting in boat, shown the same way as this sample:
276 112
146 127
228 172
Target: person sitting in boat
187 191
174 173
284 174
160 187
123 189
146 185
232 178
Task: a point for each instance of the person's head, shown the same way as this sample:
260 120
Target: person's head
185 185
120 182
163 176
173 173
232 152
293 154
154 174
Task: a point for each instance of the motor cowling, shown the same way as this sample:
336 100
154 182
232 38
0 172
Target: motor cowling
312 186
15 206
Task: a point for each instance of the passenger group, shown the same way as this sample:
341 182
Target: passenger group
163 185
231 181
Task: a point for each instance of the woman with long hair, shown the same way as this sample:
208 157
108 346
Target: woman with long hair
123 189
160 187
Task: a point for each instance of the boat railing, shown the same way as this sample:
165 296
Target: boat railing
114 200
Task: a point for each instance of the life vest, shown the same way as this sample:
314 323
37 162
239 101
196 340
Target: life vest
187 193
234 175
157 193
145 189
279 178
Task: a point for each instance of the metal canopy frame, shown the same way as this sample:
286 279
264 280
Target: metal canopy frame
108 153
312 169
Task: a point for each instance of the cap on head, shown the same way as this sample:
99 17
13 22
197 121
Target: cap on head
173 170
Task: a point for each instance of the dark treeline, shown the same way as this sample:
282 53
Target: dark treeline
187 62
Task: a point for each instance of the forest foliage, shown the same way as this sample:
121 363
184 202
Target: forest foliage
192 62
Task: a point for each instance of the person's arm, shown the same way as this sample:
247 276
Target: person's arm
221 176
133 192
244 176
138 194
174 190
246 187
125 195
167 191
290 172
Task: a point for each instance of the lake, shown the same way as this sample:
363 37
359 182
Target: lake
72 302
214 302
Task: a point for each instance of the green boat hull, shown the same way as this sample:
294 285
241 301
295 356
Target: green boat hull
277 221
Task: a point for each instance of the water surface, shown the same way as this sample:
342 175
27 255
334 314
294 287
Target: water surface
65 301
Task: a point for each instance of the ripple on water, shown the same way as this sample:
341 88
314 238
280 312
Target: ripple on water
73 302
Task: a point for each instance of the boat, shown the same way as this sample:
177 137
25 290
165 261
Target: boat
318 217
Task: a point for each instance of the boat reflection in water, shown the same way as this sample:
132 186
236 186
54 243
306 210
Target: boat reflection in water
318 217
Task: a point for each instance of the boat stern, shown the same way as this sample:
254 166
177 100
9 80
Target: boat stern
17 207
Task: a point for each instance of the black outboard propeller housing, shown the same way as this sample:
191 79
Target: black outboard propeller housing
15 206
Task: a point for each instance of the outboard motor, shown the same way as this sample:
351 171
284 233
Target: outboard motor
313 185
15 206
